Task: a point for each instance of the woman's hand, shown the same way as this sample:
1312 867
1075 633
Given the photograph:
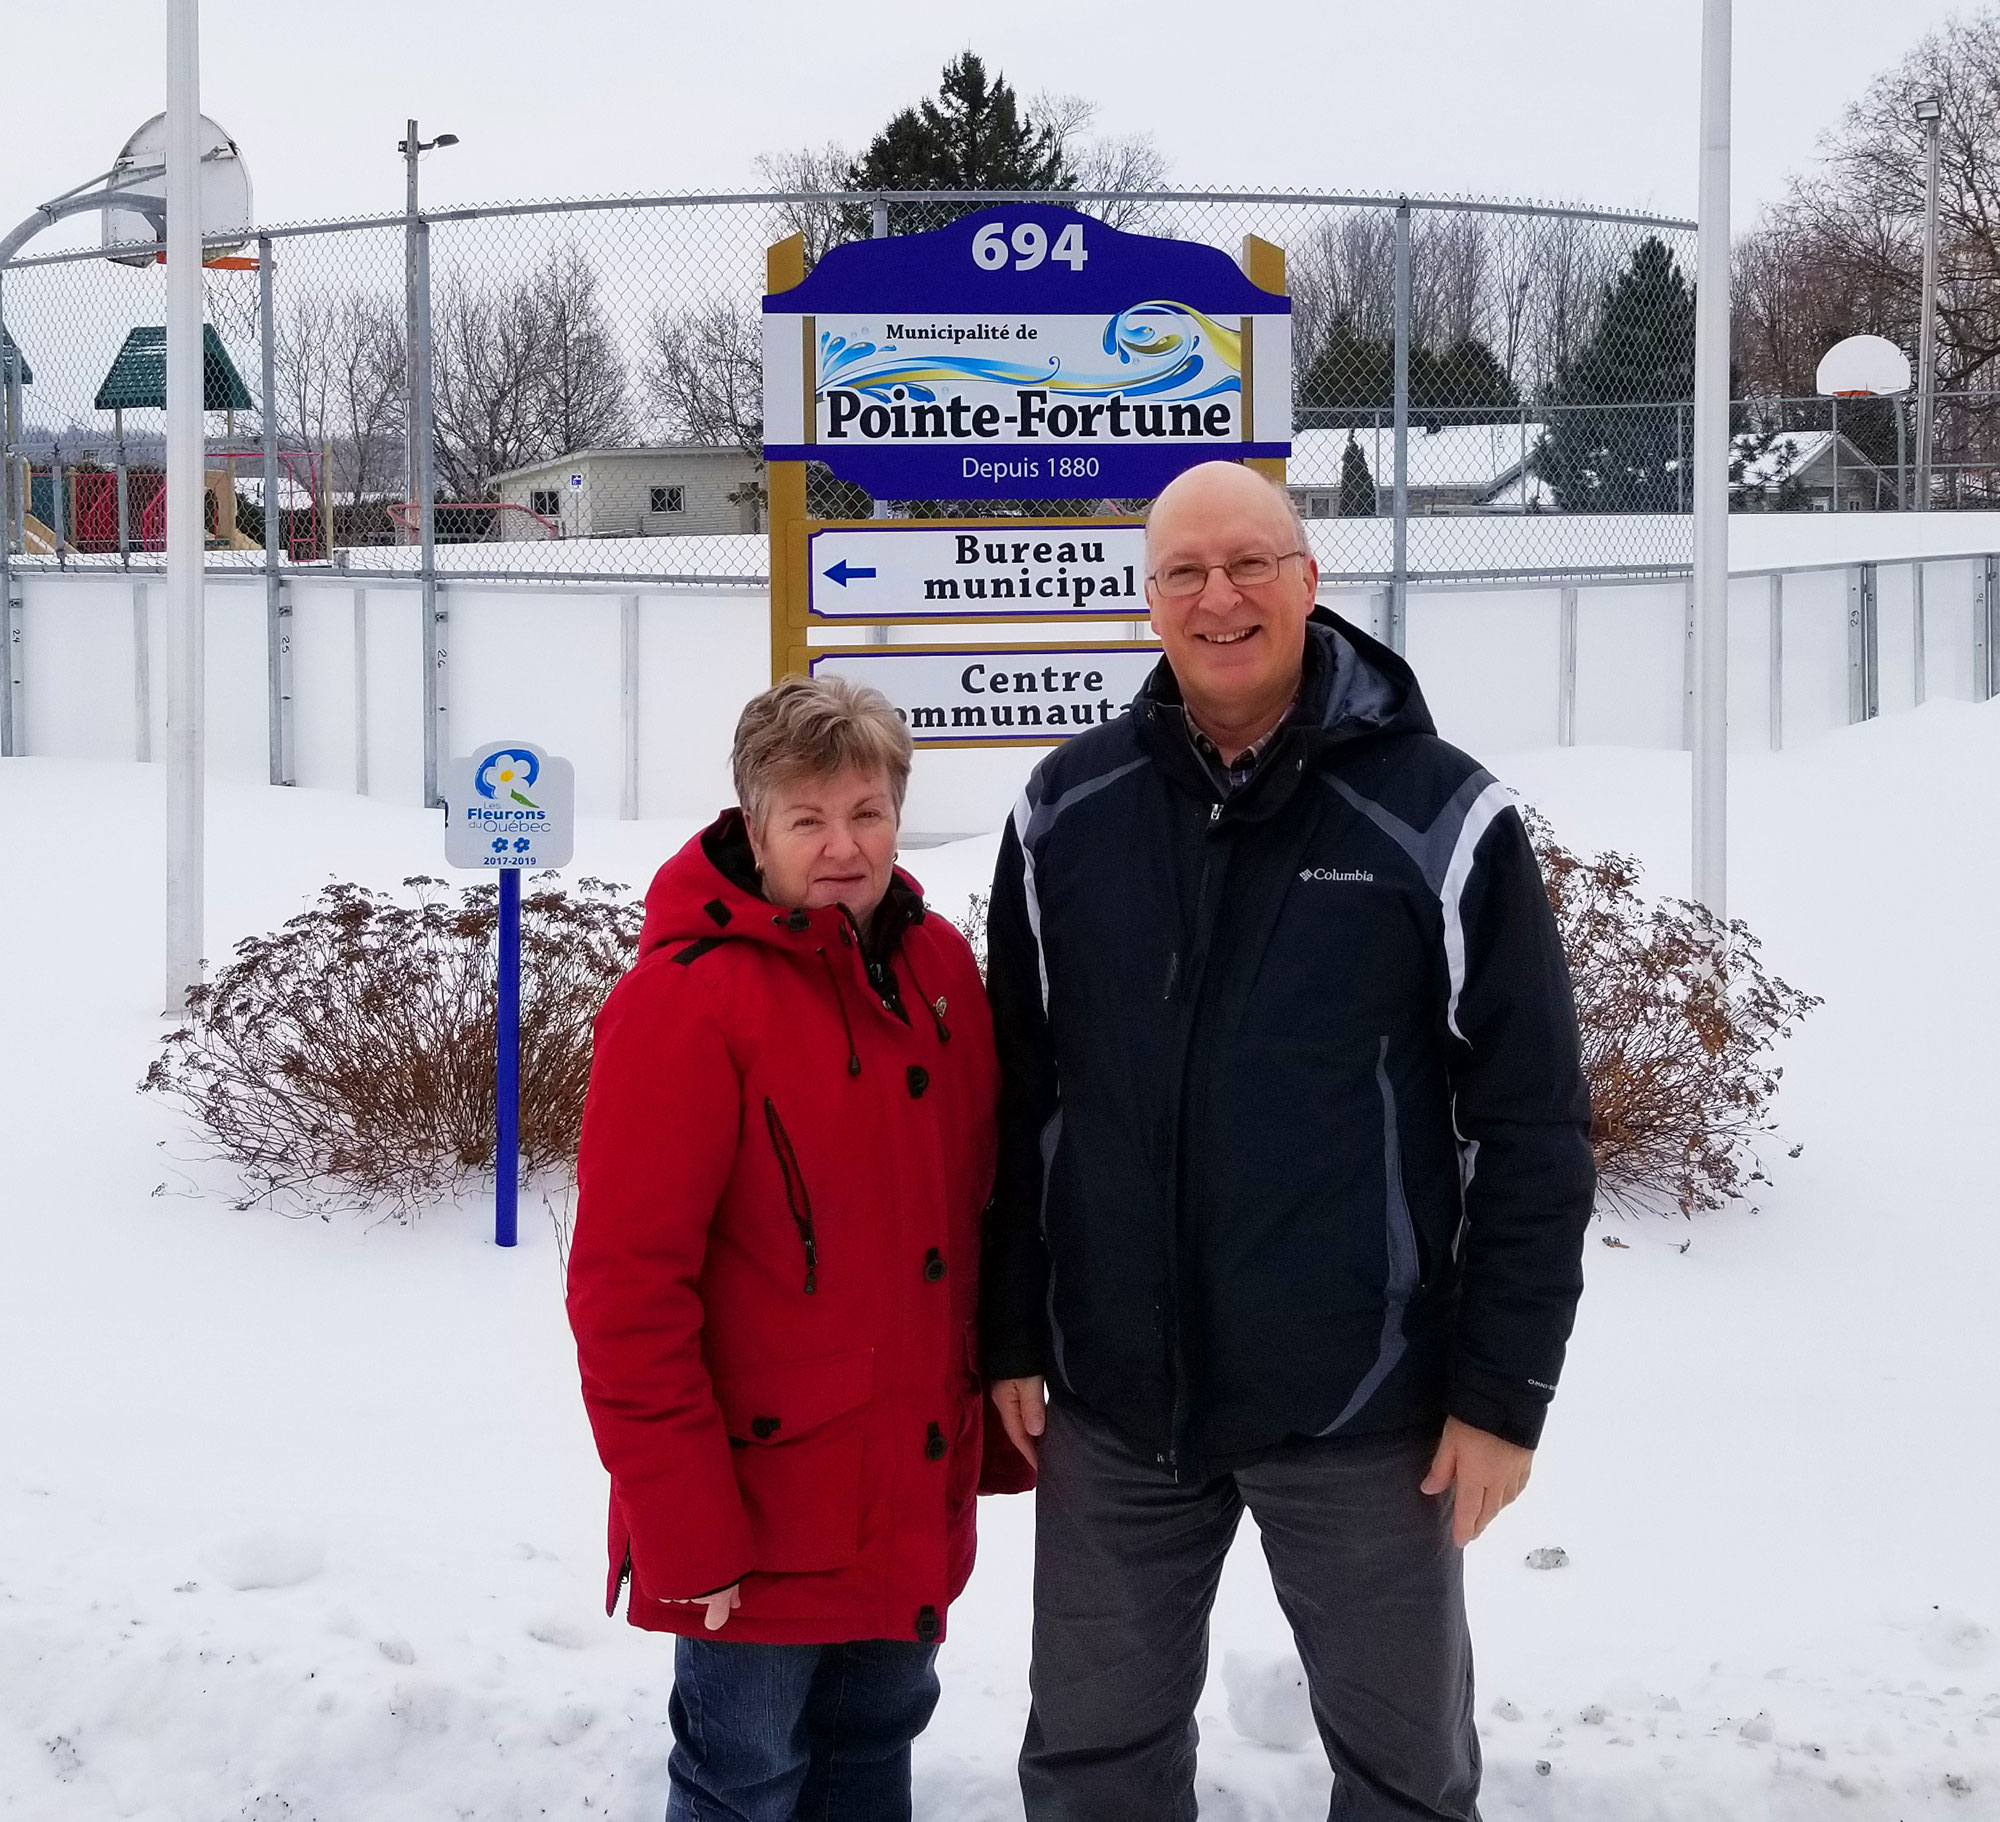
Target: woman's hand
1022 1413
721 1604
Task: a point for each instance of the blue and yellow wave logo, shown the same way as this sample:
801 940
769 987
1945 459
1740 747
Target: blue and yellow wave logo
510 772
1161 350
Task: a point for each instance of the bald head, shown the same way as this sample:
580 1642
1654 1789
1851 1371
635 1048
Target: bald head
1230 583
1230 493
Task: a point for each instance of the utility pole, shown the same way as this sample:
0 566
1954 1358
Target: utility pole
417 435
1711 472
186 527
1929 110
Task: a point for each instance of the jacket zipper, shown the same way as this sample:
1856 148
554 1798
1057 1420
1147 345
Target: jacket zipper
796 1198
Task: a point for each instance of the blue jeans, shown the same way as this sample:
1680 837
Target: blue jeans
796 1733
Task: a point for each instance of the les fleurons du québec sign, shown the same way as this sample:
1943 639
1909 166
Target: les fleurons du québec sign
1024 351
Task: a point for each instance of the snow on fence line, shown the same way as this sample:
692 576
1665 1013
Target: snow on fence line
641 686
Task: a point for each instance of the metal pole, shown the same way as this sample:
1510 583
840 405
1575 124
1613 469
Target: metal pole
277 614
437 654
1836 455
8 393
628 708
507 1071
1777 679
1927 325
59 526
1711 473
1566 662
1902 461
185 526
124 491
1917 634
1399 587
410 144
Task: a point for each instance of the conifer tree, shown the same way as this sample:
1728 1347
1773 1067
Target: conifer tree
1612 443
974 135
1357 485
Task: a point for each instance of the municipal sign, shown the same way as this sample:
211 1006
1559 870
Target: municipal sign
509 805
1025 352
904 571
576 480
1011 695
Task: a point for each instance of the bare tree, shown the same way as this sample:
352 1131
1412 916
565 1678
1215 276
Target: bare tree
704 375
583 376
1131 163
340 372
811 180
1448 267
523 370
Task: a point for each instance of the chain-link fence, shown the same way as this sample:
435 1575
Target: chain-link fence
1481 390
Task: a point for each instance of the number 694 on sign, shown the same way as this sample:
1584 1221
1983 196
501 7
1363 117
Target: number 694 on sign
1028 246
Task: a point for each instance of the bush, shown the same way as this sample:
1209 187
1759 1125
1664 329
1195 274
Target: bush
1675 1049
352 1052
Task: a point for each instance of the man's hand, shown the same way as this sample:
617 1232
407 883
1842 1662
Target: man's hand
1022 1413
1487 1476
721 1604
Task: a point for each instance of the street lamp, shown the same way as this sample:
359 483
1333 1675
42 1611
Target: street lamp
417 434
1928 111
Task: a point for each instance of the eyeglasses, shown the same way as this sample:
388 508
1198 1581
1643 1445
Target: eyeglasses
1180 580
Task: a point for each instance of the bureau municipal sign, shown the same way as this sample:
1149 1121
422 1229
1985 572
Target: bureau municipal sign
908 571
1024 352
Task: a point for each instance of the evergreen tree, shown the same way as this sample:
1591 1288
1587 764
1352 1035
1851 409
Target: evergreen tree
973 136
1352 377
1357 485
1613 440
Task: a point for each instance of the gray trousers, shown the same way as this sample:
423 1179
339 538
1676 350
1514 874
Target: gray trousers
1126 1566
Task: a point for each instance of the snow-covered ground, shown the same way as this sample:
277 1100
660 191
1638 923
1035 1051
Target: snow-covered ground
300 1522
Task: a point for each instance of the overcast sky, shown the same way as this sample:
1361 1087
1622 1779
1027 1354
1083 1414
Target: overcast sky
1582 100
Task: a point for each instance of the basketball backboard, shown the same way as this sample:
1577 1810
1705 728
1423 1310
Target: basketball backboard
1863 366
140 168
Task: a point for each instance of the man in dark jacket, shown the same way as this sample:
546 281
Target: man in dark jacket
1293 1180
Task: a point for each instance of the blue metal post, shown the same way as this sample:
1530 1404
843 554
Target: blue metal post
507 1150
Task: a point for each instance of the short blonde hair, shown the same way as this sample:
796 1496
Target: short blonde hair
813 727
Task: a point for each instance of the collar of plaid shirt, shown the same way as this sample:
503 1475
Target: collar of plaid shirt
1237 773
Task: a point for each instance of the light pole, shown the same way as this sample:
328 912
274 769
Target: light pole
1711 471
1929 111
417 433
185 518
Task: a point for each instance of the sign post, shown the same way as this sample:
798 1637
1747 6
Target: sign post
1025 353
509 806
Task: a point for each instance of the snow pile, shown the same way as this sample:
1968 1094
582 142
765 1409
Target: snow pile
300 1518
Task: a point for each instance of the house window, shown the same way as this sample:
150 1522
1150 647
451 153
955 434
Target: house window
547 501
669 499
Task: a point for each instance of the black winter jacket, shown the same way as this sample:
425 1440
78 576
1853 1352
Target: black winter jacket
1294 1135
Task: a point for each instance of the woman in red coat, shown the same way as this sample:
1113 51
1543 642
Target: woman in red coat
787 1148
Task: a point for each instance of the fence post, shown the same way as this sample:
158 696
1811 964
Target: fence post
142 676
360 692
1399 586
1566 684
277 610
1917 629
628 708
58 519
437 651
1863 666
1985 623
8 417
878 219
1777 663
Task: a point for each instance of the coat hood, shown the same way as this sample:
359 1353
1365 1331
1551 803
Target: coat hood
710 890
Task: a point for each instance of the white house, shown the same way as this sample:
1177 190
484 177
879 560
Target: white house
662 491
1807 471
1453 468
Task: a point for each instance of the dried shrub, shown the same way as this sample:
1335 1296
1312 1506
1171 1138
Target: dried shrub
1678 1018
351 1053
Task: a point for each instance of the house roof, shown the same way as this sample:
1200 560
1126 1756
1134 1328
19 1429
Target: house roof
138 377
1792 452
1474 456
638 451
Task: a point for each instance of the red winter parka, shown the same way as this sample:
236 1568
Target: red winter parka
787 1148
